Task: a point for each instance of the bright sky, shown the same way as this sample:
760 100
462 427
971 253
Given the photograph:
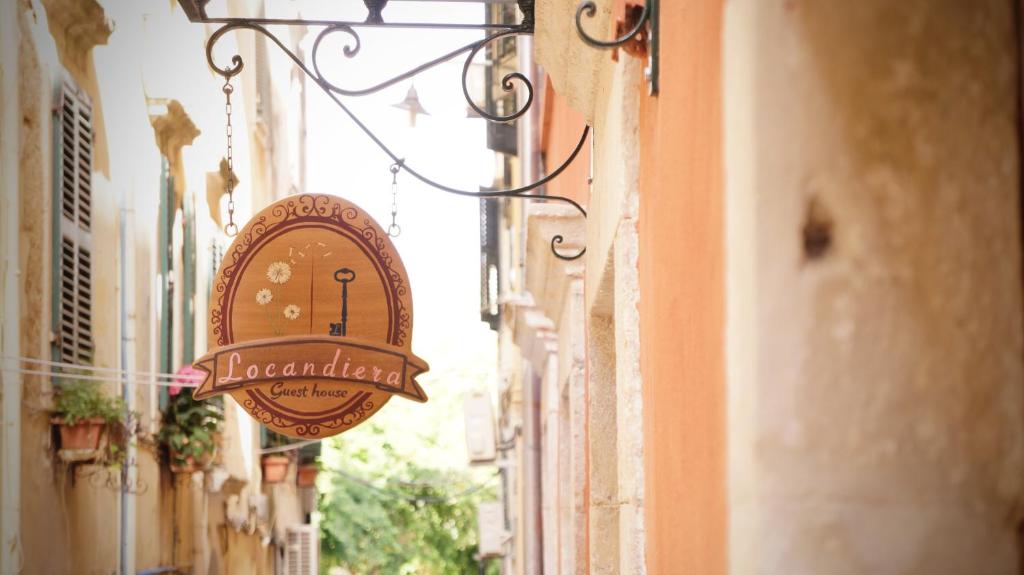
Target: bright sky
439 243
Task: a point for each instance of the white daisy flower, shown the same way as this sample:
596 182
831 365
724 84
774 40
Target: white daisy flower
291 311
264 296
279 272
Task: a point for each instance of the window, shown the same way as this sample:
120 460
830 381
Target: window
490 267
72 222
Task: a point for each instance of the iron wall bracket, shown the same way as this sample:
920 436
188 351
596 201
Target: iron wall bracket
196 12
640 38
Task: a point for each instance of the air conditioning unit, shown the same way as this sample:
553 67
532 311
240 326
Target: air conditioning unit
480 444
302 550
490 520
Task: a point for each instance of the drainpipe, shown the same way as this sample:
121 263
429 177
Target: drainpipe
10 334
129 472
530 167
529 164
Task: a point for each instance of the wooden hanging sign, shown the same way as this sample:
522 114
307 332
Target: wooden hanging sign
311 315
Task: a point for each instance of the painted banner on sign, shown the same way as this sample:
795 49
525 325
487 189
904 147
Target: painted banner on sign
324 360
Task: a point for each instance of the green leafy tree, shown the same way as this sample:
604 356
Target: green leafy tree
382 513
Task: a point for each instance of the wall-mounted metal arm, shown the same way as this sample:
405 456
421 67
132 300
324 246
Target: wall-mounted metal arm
588 8
195 10
335 93
643 28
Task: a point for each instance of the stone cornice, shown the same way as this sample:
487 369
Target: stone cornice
548 277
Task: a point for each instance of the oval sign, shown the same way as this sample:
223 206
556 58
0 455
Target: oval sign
311 316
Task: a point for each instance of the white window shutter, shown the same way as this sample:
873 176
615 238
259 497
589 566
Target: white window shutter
302 550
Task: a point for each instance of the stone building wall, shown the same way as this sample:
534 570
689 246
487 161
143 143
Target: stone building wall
828 286
874 191
143 66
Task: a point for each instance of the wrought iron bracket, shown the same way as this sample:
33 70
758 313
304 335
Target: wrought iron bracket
196 12
639 39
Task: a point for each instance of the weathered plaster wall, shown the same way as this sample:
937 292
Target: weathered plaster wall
45 540
573 449
681 303
560 130
77 26
601 437
70 516
629 402
578 73
874 185
10 398
606 93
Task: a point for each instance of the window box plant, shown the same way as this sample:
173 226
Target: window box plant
275 464
307 473
275 467
190 432
83 413
308 468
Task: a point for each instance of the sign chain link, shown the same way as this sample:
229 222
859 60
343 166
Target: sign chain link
231 229
394 230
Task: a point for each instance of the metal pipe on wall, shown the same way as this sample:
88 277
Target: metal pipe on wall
10 332
129 471
530 166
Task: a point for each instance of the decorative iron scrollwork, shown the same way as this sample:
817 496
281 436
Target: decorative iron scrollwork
641 39
588 8
509 82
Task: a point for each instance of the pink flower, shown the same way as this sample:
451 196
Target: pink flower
186 376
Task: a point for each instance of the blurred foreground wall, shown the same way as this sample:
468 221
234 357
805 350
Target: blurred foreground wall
794 344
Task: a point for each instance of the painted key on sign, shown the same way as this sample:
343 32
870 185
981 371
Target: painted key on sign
341 328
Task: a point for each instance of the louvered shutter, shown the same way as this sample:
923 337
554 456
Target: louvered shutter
302 550
72 225
165 266
490 267
188 295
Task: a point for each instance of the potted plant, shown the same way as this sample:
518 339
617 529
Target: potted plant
275 465
308 468
190 432
307 473
82 413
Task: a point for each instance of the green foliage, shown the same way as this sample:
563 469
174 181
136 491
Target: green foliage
190 429
114 452
385 514
80 400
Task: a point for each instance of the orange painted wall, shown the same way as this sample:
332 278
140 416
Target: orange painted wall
561 127
682 309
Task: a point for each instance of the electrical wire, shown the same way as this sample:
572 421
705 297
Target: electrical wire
289 447
155 380
65 365
110 380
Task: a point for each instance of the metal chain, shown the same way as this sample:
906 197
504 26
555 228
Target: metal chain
231 229
394 230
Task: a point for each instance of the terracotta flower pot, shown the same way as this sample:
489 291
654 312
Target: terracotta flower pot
307 475
83 435
274 468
